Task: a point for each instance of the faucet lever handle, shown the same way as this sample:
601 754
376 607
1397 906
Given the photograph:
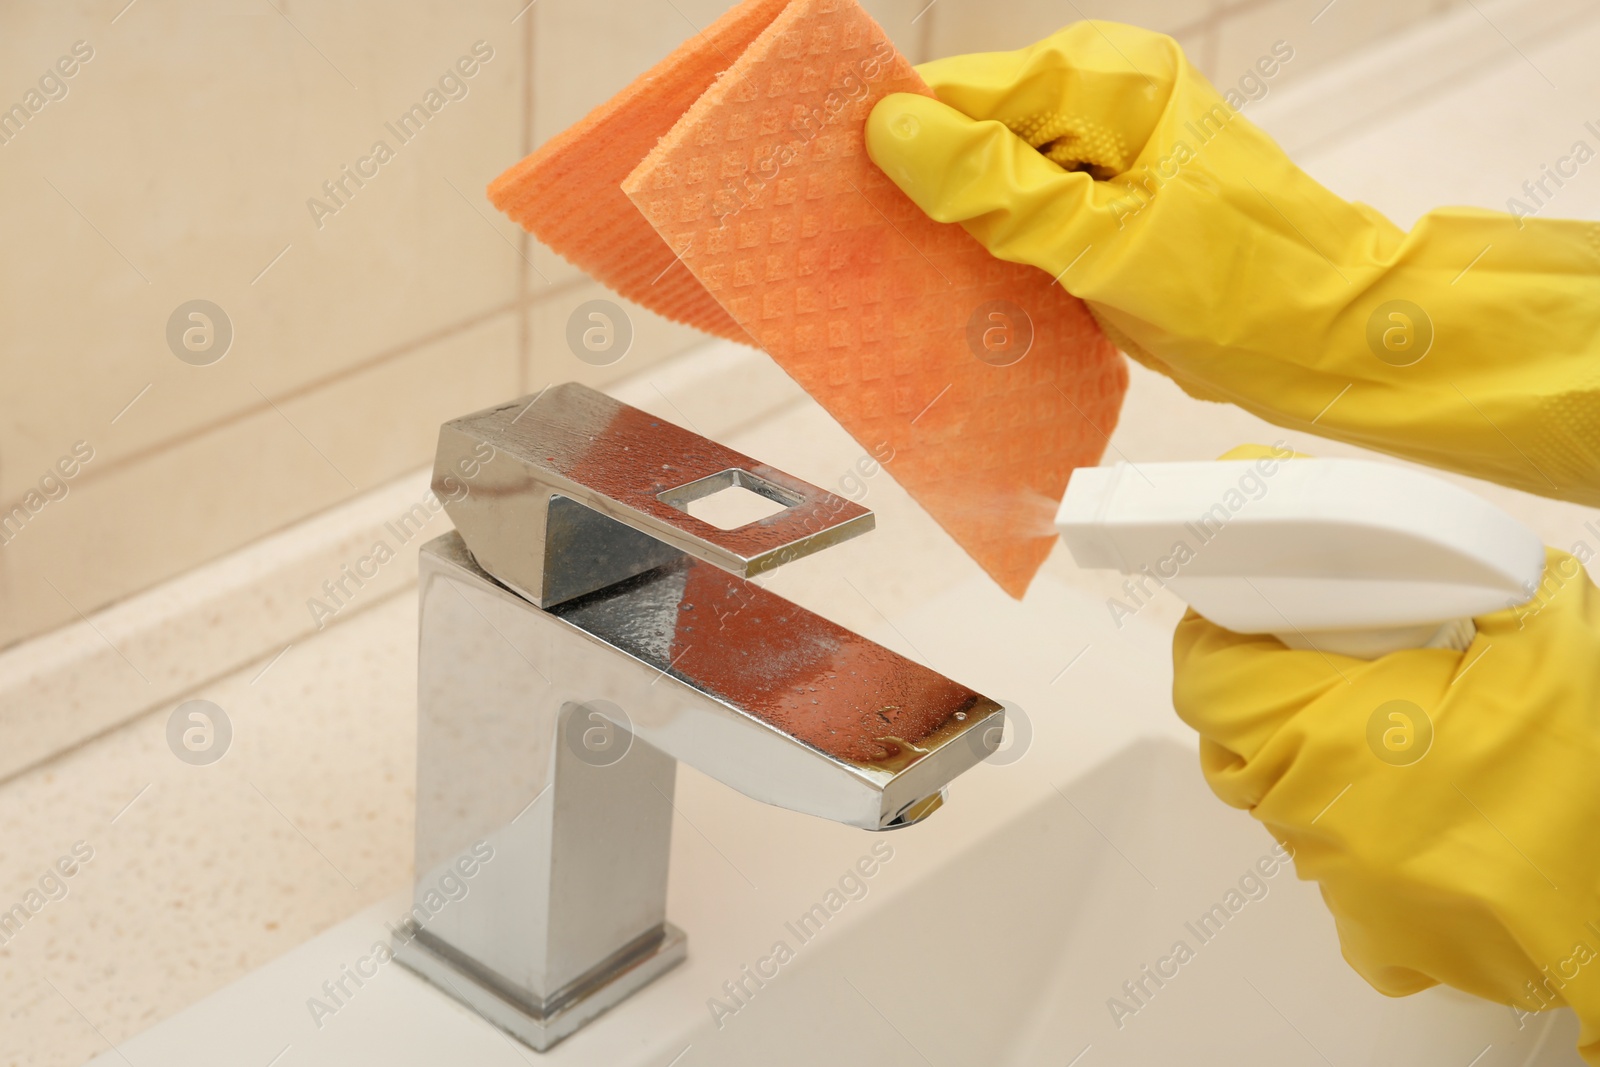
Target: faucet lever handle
569 491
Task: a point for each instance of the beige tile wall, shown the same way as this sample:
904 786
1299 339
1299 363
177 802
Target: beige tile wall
176 163
179 166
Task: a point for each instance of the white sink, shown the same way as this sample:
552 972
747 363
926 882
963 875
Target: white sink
1012 953
996 932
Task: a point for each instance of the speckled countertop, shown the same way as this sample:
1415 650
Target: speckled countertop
201 873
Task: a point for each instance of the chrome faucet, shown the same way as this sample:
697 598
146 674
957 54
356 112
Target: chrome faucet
581 633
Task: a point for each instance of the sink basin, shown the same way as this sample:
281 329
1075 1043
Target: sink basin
1001 931
1015 953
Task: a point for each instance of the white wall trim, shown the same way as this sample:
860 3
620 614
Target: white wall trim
69 685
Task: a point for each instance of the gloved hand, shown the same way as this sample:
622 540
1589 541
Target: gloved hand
1102 157
1448 803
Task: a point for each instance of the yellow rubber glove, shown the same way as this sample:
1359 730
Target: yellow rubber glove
1101 156
1448 803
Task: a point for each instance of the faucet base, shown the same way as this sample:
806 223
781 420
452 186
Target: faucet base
542 1025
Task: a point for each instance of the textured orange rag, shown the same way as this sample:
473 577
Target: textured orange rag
761 218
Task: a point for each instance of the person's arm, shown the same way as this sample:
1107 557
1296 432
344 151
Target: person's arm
1102 157
1447 803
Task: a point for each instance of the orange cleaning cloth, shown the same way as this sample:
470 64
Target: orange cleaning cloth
981 383
569 195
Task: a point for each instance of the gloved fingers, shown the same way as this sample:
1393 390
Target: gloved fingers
1211 258
1238 690
1088 96
981 175
1147 247
1219 677
1267 452
1444 802
1521 688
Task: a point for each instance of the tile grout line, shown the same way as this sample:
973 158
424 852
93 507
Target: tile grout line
527 137
372 363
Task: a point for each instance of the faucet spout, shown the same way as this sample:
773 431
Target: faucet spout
549 734
777 702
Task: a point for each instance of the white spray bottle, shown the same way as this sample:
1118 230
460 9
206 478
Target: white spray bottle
1341 555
